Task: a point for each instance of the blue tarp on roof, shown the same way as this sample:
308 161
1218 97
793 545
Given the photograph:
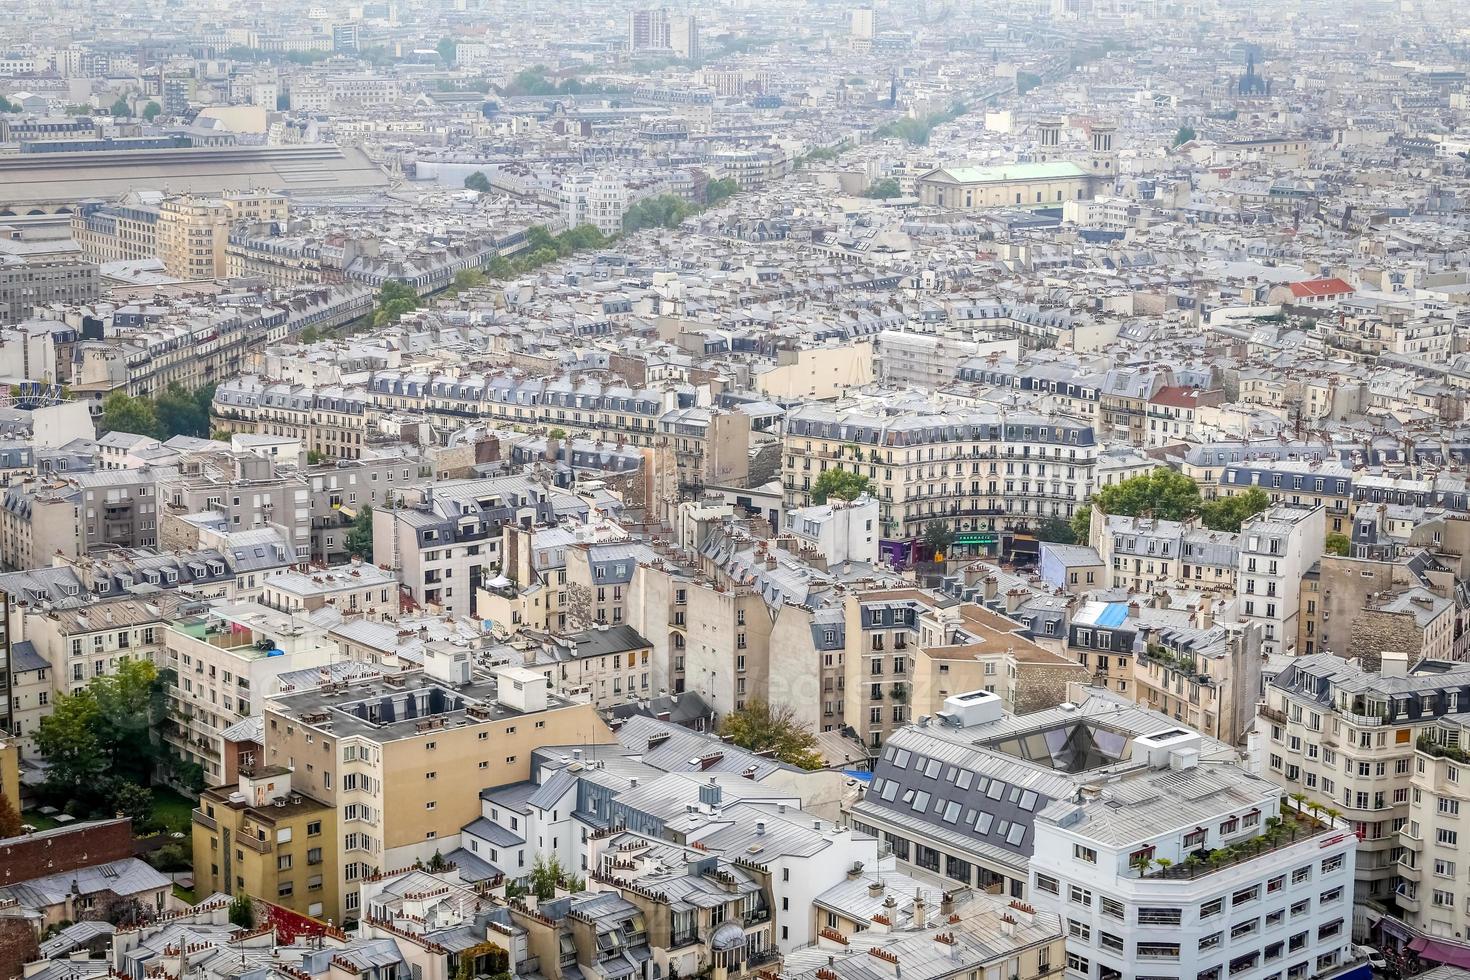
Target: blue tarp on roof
1113 615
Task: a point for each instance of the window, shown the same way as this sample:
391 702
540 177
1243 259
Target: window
1079 896
1112 908
1084 853
1048 884
1150 916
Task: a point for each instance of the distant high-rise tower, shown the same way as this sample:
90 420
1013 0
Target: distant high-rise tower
862 24
648 29
684 36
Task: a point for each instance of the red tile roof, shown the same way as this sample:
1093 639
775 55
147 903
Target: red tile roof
1320 287
1176 396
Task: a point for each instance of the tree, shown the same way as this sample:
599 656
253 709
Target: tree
763 727
1184 135
121 412
1228 513
446 47
884 189
242 911
179 412
661 211
937 537
360 535
67 740
7 106
1056 530
10 825
717 191
842 484
121 108
152 111
395 298
1162 493
132 801
1337 543
106 734
546 874
477 181
468 279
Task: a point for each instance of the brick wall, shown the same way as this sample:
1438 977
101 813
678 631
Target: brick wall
57 851
18 945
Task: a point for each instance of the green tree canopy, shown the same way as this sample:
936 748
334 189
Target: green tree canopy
446 48
106 735
242 911
1338 544
183 412
937 537
884 189
121 412
1056 530
121 108
7 106
719 190
395 298
763 727
1184 135
662 211
360 535
1163 493
152 111
842 484
477 181
1228 513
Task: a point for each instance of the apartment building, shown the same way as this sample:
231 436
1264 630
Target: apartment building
256 837
91 640
72 515
606 665
37 273
882 632
448 533
971 648
951 939
1143 554
708 912
1346 738
1299 483
712 444
228 659
191 236
1277 547
330 421
193 232
402 758
1206 675
956 797
979 471
1193 868
232 492
120 232
355 589
1433 899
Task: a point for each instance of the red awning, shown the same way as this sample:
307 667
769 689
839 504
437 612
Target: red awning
1451 954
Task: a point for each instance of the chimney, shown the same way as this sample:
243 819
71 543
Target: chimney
1395 663
760 828
1133 610
946 904
921 909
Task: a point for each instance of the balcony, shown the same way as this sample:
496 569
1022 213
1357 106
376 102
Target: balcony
1296 826
258 846
200 817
